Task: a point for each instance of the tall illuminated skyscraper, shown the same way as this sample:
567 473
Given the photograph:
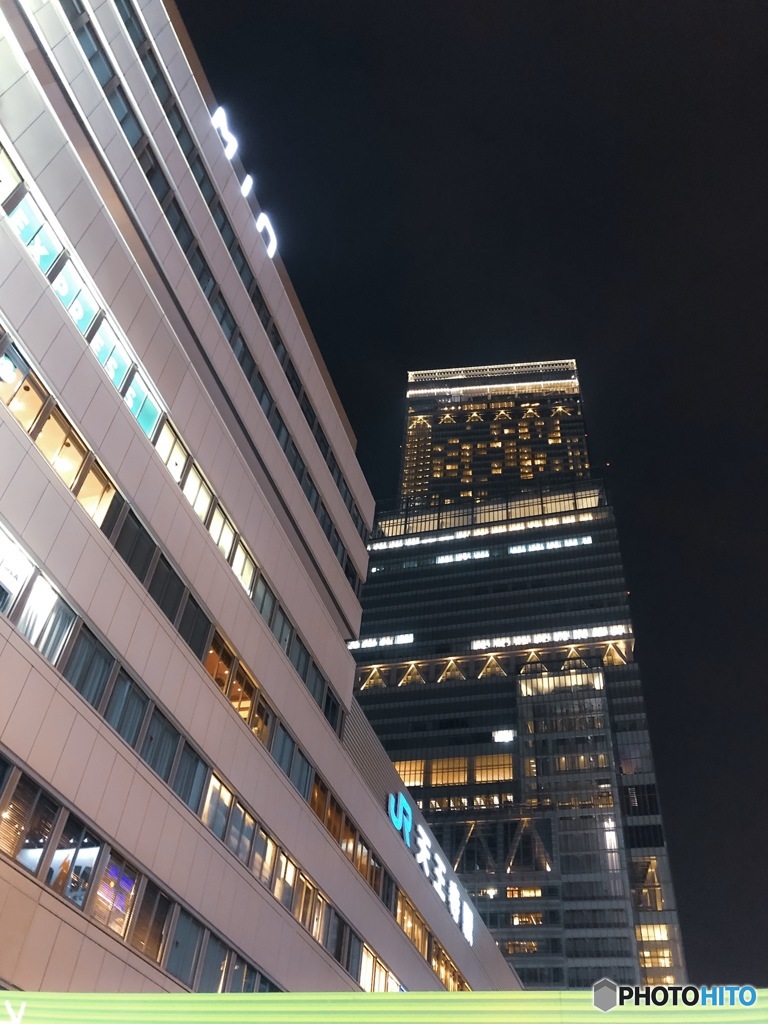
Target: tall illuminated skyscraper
496 664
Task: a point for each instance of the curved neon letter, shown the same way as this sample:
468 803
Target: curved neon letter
219 122
262 225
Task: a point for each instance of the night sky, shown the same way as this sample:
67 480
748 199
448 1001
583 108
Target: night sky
467 181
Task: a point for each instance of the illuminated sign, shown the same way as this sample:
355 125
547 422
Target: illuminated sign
432 864
401 816
263 225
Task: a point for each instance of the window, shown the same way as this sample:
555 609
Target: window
15 570
46 620
263 599
195 626
447 771
155 75
111 354
349 838
411 772
493 768
301 773
218 802
261 721
222 532
61 446
88 667
143 406
282 748
189 778
135 546
333 818
264 851
282 628
172 452
299 656
240 833
135 30
125 116
202 272
198 493
331 711
26 824
27 401
160 745
219 662
284 882
126 708
335 935
244 977
114 898
185 948
179 225
95 55
71 870
13 370
319 915
152 919
242 693
315 683
319 798
79 302
243 566
166 588
95 494
214 968
305 896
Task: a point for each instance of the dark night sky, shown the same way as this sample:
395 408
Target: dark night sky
467 181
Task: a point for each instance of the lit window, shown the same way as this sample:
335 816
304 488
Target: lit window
95 494
197 492
411 772
222 532
448 771
61 447
172 452
651 932
243 566
493 768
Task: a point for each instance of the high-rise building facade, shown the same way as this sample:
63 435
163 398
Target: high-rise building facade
496 664
190 796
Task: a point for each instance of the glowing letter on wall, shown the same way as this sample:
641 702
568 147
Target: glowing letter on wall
401 816
262 225
219 122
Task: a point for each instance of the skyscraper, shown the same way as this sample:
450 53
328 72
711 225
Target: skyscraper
496 663
190 797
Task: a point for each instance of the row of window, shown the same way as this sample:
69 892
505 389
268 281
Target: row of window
452 771
54 845
50 625
35 409
201 176
96 55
